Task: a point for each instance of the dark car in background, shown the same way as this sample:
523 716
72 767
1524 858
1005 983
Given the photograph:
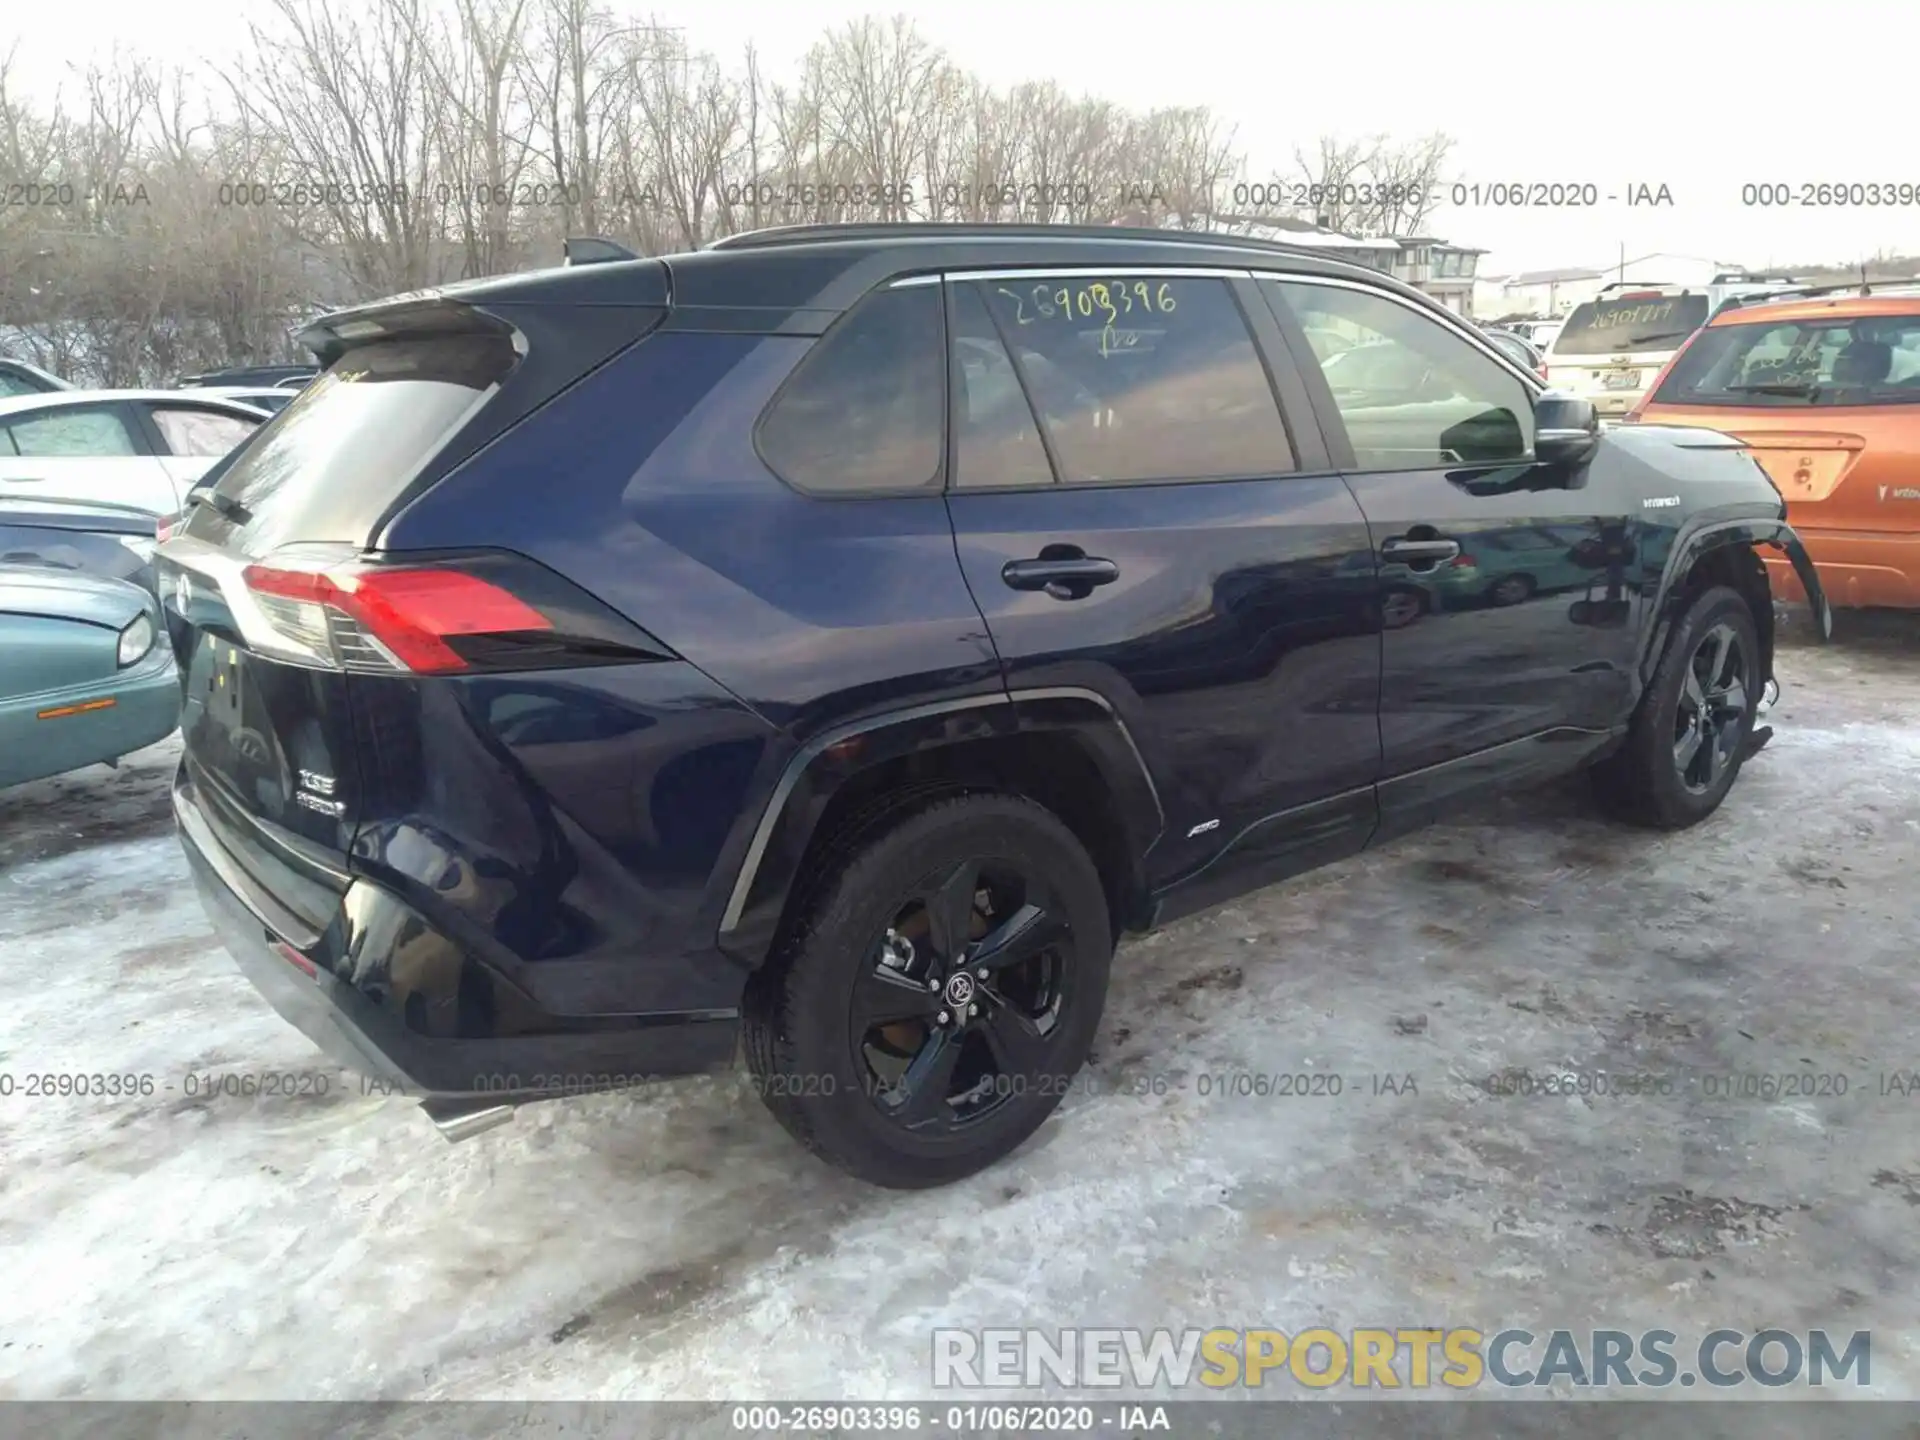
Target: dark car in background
833 639
248 375
93 536
1516 348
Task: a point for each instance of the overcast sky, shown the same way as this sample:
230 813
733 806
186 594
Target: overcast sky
1700 96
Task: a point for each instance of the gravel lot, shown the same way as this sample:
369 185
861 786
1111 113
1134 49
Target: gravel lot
676 1244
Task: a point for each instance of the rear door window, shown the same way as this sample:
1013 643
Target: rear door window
864 411
1630 325
73 431
1141 377
996 440
338 457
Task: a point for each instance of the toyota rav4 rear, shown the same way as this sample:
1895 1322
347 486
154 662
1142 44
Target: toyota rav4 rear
443 804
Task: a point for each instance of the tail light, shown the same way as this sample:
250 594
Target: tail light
164 527
1464 562
475 613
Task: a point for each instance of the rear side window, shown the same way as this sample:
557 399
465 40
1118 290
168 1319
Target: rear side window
67 433
1866 360
1141 377
204 433
1412 393
335 459
864 411
1630 325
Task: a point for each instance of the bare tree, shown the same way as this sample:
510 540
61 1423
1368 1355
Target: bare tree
1373 186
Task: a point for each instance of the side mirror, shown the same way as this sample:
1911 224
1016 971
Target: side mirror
1565 428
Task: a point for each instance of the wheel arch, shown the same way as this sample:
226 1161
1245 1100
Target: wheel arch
1724 552
1065 748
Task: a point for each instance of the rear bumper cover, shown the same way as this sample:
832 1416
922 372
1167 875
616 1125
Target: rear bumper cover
380 991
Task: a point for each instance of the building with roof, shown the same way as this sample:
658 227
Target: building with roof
1440 268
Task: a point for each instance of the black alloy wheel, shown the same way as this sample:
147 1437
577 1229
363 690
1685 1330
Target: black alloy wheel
961 995
937 989
1709 722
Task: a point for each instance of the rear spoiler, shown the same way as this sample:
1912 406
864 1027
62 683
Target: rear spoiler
592 250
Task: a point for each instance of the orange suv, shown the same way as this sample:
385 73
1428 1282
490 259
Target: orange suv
1825 388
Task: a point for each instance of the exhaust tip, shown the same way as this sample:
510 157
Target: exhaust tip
457 1122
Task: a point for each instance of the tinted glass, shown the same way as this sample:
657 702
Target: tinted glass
1142 377
864 410
1440 400
1871 360
996 440
1630 326
71 432
201 432
12 384
344 450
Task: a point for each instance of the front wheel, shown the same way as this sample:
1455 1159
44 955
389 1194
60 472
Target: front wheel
1688 738
938 995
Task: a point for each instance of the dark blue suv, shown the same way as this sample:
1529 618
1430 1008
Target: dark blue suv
828 643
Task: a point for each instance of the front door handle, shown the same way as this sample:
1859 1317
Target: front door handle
1419 552
1063 576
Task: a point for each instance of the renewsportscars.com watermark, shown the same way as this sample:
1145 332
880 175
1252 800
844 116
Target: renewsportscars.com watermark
1395 1358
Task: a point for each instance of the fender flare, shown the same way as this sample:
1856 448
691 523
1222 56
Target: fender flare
1702 539
818 769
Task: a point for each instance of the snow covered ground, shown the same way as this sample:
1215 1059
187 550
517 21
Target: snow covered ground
675 1243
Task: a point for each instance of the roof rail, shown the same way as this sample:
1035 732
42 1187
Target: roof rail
1811 292
935 229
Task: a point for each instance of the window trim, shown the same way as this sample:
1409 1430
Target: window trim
1333 425
936 486
1288 427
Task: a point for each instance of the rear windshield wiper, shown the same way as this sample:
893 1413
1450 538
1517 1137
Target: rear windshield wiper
230 508
1806 388
1657 335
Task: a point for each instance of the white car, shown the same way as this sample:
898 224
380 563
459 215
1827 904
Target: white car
271 398
143 448
1537 333
17 377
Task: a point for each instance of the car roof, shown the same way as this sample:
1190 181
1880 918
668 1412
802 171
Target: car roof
13 404
796 280
1820 307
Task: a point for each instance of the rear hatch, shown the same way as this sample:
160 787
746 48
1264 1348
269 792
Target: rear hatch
276 591
1612 347
1829 404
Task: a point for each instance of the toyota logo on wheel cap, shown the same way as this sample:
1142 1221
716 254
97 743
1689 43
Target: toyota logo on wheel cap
960 991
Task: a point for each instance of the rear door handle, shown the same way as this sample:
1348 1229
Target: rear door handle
1419 552
1064 577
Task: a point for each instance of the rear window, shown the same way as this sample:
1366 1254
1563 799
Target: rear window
331 463
1873 360
1629 325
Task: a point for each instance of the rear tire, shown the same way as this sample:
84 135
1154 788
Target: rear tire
1688 738
873 1034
